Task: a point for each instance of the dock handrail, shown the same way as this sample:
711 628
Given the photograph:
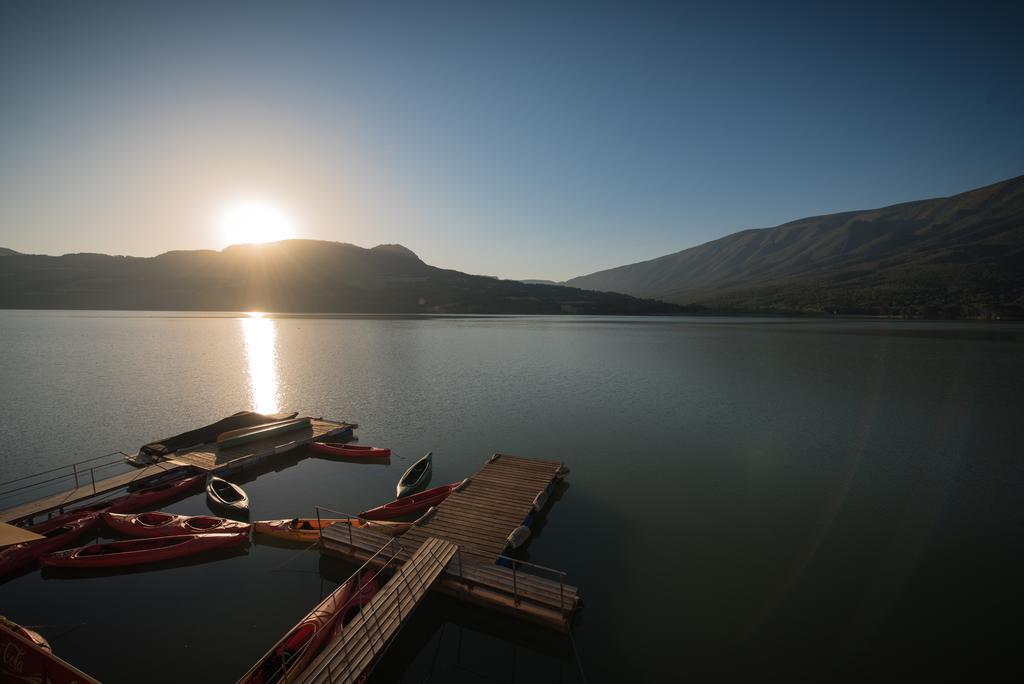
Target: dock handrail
378 633
354 577
75 473
507 561
348 516
561 574
515 564
69 465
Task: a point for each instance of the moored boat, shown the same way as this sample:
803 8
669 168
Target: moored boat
364 593
349 450
413 503
227 495
308 529
151 497
57 535
139 500
233 438
286 659
159 524
27 657
160 478
72 515
65 518
35 637
417 476
164 448
141 551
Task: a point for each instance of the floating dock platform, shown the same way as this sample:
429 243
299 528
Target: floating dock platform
480 518
457 548
57 502
206 457
483 516
210 458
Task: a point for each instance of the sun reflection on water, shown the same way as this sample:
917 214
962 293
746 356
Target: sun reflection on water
260 337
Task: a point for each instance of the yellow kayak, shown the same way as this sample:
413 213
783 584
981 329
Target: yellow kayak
308 529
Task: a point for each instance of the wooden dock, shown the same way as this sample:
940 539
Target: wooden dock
482 515
369 633
479 518
207 457
86 491
211 458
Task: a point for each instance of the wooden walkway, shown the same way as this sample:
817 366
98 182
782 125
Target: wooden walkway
72 496
209 457
524 591
206 457
481 516
371 631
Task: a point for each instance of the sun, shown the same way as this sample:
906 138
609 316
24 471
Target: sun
255 221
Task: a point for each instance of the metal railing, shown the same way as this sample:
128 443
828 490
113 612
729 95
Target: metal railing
382 638
347 516
515 564
360 581
407 585
374 631
72 476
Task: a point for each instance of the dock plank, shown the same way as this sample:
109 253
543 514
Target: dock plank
206 457
347 658
478 519
496 500
493 500
84 492
538 599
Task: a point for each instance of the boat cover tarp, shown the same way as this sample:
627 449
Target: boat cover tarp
208 433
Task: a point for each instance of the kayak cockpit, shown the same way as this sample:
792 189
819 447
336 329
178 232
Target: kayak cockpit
203 523
154 519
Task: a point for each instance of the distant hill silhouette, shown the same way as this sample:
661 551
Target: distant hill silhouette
960 257
300 276
7 252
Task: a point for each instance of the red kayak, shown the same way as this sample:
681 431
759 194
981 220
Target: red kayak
58 535
413 503
139 500
139 551
60 520
149 498
25 659
166 476
71 516
350 450
286 660
157 524
368 588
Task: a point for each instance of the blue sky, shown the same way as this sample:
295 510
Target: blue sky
511 139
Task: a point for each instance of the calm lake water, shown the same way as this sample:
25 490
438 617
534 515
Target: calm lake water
748 497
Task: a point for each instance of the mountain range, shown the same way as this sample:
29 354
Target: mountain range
956 257
298 276
952 257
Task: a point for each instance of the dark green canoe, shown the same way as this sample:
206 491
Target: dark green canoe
417 476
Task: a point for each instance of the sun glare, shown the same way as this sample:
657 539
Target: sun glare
255 221
259 336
